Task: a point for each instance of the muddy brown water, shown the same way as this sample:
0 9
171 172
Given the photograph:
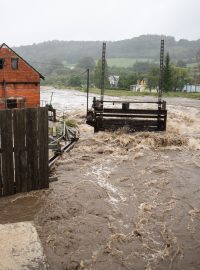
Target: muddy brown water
122 201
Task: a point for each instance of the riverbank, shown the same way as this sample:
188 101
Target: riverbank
128 93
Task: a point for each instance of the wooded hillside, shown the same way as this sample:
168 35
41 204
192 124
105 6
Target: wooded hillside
145 46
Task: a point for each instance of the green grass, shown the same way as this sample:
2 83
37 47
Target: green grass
128 93
125 62
182 94
70 122
110 92
191 65
117 62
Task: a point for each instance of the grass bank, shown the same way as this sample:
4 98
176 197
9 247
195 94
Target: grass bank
128 93
120 93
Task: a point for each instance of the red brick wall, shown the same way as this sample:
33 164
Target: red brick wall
31 92
28 80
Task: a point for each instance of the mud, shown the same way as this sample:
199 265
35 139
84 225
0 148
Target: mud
122 201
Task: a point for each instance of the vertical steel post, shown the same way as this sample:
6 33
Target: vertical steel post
161 73
103 71
51 97
88 84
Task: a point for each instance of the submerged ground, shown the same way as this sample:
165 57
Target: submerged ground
122 201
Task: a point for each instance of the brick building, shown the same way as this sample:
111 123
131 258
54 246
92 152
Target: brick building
19 81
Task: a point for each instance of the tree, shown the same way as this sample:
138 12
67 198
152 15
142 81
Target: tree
86 62
75 81
98 72
126 80
181 63
167 83
180 76
198 67
51 66
144 67
153 79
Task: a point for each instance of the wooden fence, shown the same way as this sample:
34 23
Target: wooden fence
23 150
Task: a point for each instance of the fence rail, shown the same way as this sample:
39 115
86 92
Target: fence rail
23 150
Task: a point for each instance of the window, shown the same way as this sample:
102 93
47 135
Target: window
11 103
1 63
14 63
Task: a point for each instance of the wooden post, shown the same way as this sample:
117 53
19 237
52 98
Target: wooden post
19 150
32 151
43 148
7 152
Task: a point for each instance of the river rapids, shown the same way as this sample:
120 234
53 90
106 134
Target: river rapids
122 201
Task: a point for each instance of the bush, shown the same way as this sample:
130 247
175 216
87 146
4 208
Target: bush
71 122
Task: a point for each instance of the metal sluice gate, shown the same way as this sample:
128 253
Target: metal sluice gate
105 118
132 115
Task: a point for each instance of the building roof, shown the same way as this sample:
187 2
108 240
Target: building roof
5 45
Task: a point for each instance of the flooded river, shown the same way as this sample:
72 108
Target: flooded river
122 201
65 100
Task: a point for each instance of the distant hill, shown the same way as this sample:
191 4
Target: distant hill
142 47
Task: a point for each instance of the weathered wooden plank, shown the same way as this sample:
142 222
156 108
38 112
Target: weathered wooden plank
43 148
19 150
132 111
7 152
32 149
114 115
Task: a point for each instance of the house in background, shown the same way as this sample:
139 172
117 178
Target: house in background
113 80
191 88
19 81
140 86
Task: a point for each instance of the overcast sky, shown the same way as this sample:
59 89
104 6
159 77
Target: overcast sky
32 21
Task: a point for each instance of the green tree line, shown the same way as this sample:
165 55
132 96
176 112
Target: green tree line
44 54
174 77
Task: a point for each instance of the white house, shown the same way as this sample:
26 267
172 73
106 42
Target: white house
114 80
190 88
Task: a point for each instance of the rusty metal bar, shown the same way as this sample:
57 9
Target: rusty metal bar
65 148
